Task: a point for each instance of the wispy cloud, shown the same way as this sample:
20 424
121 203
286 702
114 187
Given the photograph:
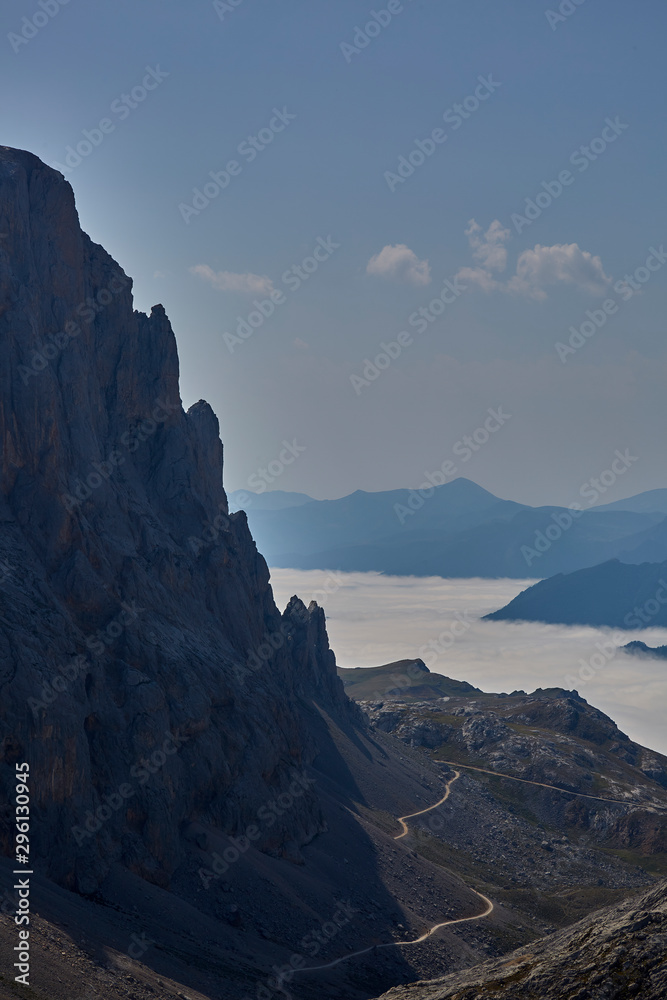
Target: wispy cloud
480 277
228 281
399 263
536 269
489 247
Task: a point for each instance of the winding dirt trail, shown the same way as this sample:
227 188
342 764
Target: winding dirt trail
489 907
401 819
540 784
436 927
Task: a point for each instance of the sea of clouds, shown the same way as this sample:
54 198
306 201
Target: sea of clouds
374 619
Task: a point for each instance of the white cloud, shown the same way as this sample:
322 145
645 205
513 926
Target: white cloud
301 344
544 266
228 281
478 276
489 247
400 263
536 269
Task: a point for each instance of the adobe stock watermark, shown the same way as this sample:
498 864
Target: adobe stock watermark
312 944
399 683
139 945
606 651
626 287
122 107
591 491
464 449
419 320
641 616
566 9
454 116
249 149
260 480
274 641
87 311
331 584
211 532
265 652
363 36
435 648
293 278
31 26
581 158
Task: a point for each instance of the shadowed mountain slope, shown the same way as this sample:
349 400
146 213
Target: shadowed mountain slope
614 594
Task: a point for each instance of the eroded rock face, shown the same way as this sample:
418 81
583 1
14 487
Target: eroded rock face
146 674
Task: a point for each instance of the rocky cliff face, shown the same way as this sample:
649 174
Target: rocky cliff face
147 676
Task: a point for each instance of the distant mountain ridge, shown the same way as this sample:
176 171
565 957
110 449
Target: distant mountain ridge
613 594
455 530
650 502
270 500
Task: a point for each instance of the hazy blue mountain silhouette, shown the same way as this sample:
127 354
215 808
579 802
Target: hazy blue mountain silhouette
460 530
614 594
648 546
271 500
650 502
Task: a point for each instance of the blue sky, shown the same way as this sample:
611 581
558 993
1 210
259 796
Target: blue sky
322 176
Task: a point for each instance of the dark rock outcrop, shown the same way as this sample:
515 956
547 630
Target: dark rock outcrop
147 676
641 649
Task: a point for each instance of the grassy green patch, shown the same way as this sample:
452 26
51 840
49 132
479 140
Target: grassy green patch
581 900
655 864
403 680
446 856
